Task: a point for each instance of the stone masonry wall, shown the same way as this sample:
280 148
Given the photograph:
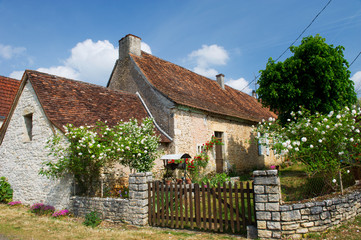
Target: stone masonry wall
21 158
294 220
196 128
133 210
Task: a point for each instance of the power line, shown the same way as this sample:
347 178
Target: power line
293 42
355 58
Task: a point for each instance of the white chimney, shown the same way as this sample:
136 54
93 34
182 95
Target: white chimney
220 80
129 44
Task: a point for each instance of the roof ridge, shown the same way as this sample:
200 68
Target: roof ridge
79 81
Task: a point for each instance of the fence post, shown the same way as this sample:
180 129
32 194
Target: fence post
267 192
138 198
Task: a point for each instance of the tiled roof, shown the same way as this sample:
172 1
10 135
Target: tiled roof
68 101
190 89
8 89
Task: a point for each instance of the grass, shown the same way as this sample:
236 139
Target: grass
19 223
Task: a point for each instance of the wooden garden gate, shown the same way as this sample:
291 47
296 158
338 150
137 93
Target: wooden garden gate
224 208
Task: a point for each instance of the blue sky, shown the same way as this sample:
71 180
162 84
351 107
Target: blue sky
79 39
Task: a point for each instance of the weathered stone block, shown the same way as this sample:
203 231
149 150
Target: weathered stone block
285 207
316 210
325 215
259 189
274 225
260 206
264 234
273 197
261 198
266 181
291 226
298 206
272 207
264 216
261 224
302 230
291 215
276 216
272 189
307 224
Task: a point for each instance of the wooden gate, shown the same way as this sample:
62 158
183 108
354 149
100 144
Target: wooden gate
224 208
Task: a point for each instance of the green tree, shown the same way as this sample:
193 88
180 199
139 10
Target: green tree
316 77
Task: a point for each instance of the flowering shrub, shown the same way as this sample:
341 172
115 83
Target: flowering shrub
124 192
14 203
325 143
41 209
61 213
201 160
91 148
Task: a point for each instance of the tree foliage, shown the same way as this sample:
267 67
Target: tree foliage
316 77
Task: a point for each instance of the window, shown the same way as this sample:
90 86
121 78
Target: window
200 148
28 135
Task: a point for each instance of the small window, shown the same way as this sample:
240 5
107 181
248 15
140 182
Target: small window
29 127
200 148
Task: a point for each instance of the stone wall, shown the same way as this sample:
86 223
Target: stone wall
133 210
294 220
194 128
21 158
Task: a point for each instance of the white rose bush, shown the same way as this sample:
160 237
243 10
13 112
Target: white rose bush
90 149
328 144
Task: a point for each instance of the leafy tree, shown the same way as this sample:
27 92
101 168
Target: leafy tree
315 77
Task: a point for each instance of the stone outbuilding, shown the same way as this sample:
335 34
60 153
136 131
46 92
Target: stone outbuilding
43 105
8 89
190 108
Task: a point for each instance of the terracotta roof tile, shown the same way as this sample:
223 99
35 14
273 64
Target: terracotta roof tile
8 90
68 101
190 89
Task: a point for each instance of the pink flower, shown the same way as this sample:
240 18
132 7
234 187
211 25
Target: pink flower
272 167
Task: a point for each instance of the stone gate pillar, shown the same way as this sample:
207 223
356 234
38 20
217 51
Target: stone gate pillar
138 198
267 192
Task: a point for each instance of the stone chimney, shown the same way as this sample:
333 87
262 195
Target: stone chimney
220 80
254 94
129 44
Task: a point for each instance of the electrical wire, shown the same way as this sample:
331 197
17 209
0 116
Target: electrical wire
293 41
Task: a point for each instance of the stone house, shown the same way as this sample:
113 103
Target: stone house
43 105
8 89
190 108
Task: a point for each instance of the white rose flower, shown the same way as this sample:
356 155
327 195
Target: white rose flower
351 139
338 116
304 139
334 180
320 140
340 153
297 149
284 144
311 146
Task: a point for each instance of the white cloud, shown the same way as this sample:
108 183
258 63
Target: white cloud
89 61
240 84
8 52
207 72
145 47
17 75
61 71
357 80
208 56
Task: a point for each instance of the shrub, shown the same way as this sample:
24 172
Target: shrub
61 213
6 193
214 179
92 219
14 203
41 209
